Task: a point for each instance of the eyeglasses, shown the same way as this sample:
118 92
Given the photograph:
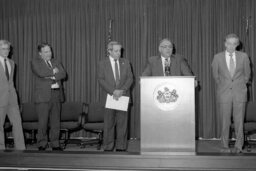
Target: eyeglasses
165 47
5 48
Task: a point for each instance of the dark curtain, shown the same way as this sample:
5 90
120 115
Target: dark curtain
78 32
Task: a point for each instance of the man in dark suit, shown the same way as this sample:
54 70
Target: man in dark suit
115 78
167 64
231 71
8 98
48 74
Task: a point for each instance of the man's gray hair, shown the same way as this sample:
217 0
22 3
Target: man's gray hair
5 42
112 43
165 39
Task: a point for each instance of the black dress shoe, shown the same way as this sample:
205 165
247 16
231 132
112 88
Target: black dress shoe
57 149
120 150
41 148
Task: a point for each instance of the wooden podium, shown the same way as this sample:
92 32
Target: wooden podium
167 115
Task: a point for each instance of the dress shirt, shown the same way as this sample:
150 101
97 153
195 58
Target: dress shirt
7 62
227 55
163 63
112 61
55 85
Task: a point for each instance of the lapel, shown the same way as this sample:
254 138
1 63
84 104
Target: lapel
2 69
12 68
224 63
160 66
121 68
238 61
53 63
110 70
42 62
2 72
173 65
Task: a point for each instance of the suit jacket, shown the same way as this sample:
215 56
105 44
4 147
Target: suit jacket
179 66
42 83
225 82
106 78
7 91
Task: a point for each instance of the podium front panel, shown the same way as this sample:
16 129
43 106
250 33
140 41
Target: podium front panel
167 115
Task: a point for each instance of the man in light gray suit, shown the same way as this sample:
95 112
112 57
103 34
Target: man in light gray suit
8 98
231 71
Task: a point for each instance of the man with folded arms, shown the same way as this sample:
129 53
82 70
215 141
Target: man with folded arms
48 74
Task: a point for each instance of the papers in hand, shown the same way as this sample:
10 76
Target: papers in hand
120 104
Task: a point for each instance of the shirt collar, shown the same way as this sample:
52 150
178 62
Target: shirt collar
227 53
3 58
163 58
112 59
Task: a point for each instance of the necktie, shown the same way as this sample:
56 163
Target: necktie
231 65
167 68
117 73
49 65
6 69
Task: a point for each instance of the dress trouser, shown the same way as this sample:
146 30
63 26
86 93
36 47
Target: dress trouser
13 113
49 117
237 110
115 121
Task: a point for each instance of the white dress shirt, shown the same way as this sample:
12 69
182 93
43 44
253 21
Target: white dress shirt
163 63
7 62
55 85
227 55
112 61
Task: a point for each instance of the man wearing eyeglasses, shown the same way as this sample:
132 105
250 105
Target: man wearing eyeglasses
8 98
167 63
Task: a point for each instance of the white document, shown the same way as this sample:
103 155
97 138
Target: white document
120 104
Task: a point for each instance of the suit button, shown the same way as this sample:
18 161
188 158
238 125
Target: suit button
232 80
230 88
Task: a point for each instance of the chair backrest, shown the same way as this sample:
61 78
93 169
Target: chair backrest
28 112
250 114
70 111
95 112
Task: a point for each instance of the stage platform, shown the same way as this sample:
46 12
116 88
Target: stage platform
207 157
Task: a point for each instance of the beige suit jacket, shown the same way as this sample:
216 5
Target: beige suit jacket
228 87
7 91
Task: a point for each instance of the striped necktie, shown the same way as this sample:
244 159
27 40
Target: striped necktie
232 67
6 69
117 73
49 65
167 67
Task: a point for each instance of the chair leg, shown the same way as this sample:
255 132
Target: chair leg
247 143
66 138
33 134
100 140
